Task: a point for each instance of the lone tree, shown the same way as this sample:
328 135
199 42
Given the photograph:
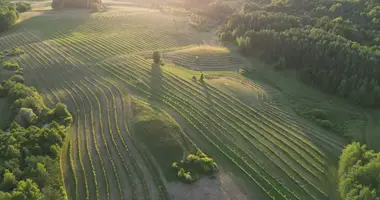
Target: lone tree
201 78
157 57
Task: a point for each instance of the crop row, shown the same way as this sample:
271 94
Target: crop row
145 191
210 119
123 78
110 133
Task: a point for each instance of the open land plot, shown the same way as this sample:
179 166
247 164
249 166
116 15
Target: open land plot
92 62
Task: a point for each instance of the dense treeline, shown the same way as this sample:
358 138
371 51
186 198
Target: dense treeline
359 172
30 147
9 13
332 44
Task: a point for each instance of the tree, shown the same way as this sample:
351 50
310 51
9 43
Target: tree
201 78
27 190
42 175
8 17
17 78
157 57
50 193
5 196
26 117
9 182
359 170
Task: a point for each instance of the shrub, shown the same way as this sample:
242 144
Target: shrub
11 65
193 166
325 123
226 36
201 79
194 78
62 115
16 52
23 7
17 78
157 57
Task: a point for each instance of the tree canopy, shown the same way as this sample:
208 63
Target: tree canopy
9 13
335 44
359 172
30 148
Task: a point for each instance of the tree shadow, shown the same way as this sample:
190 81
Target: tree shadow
209 98
156 81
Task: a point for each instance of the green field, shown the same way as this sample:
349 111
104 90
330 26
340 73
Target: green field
131 117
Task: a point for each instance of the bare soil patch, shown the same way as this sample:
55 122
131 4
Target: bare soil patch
220 187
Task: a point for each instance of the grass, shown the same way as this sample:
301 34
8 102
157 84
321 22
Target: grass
205 58
124 142
161 134
131 73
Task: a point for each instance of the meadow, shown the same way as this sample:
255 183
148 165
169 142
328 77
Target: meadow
132 119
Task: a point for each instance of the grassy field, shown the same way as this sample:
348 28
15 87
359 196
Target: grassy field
132 118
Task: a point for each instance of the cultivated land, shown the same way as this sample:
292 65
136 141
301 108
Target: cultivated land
97 64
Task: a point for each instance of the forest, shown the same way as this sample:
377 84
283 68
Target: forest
31 145
335 45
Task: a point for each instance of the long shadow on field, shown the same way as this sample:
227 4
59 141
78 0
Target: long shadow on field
206 91
156 80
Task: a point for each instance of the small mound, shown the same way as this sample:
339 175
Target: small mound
162 136
205 57
244 90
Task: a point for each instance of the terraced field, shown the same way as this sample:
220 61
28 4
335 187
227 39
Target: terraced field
95 67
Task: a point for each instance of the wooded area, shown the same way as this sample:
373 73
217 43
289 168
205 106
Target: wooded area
30 148
333 45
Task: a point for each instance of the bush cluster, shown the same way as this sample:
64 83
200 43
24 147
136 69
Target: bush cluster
194 166
16 52
11 65
23 7
321 118
28 107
